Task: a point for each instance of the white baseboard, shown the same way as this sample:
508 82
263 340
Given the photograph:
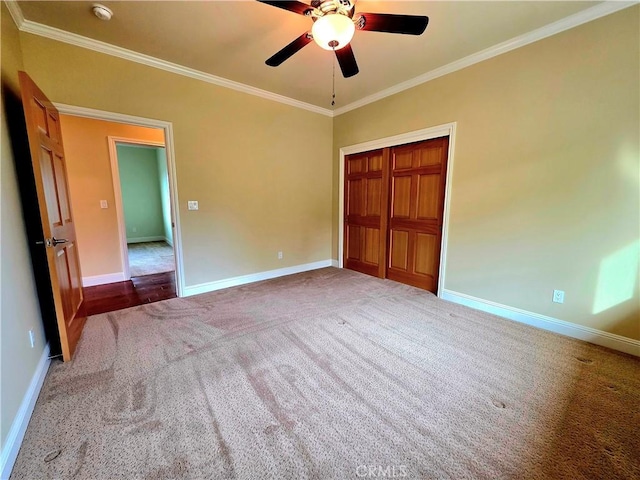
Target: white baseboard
168 240
103 279
335 263
254 277
157 238
588 334
21 420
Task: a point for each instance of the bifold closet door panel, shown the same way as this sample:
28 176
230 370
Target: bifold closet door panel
418 174
366 212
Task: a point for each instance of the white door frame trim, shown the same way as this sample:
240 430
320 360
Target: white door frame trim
117 192
171 170
447 129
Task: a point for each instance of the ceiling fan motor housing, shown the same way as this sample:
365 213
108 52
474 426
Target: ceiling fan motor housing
344 7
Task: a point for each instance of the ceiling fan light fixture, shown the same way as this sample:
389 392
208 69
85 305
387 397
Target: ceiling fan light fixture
333 31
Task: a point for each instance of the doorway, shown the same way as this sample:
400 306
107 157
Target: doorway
394 204
107 266
143 203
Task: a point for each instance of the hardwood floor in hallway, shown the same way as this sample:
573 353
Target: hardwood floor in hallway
137 291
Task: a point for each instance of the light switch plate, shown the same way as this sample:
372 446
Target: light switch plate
192 205
104 204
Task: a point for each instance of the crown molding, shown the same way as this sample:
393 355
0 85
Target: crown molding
593 13
53 33
16 12
603 9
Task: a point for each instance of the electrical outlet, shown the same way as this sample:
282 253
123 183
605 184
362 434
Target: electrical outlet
558 296
32 339
104 204
192 205
279 255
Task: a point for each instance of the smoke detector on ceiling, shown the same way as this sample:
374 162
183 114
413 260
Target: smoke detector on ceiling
102 12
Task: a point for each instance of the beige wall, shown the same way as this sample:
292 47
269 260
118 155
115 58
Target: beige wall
260 170
88 166
20 311
545 189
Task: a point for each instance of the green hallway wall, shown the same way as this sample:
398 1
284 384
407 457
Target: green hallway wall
140 184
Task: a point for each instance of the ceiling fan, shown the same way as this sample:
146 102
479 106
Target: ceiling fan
334 25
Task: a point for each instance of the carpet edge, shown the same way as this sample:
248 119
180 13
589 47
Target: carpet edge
568 329
207 287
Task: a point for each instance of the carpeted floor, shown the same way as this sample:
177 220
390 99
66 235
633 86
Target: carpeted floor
148 258
331 374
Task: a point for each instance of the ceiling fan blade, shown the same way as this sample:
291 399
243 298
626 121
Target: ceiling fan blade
292 6
390 23
289 50
347 61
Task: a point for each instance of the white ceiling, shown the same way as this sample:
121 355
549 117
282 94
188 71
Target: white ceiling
232 39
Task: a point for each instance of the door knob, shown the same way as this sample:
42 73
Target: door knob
55 241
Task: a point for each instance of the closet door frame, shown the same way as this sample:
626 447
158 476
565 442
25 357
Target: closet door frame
448 129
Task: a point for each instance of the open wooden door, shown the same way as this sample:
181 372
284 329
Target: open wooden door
49 169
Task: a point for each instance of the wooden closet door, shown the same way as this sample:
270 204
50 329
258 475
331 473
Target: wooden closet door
418 173
366 212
